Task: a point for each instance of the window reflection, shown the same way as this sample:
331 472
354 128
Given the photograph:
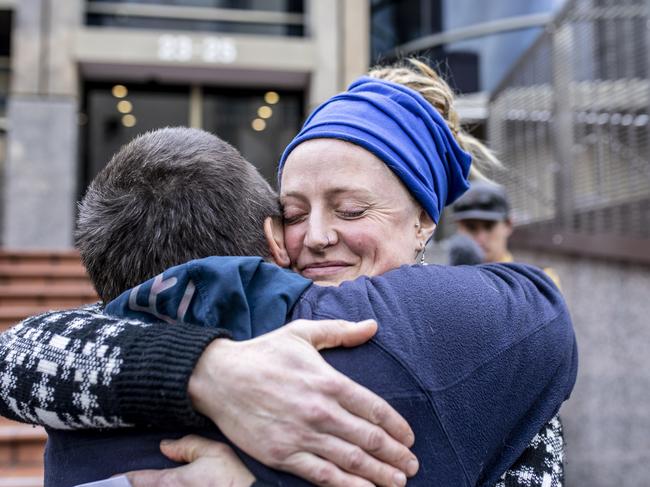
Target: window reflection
5 50
473 64
260 17
268 5
110 121
259 123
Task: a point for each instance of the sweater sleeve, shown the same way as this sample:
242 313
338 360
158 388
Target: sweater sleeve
82 369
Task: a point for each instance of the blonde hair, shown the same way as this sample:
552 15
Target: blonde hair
420 77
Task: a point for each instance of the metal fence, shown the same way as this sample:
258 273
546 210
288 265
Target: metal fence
571 124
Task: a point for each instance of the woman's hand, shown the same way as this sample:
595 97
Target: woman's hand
280 402
210 463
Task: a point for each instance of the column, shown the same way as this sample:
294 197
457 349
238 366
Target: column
41 167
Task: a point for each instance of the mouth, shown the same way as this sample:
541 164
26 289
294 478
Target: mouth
317 270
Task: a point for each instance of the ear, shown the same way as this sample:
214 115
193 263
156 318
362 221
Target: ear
274 233
425 227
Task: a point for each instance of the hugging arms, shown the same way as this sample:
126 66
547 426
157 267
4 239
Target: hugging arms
464 373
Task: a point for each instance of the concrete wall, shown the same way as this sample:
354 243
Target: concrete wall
607 419
40 172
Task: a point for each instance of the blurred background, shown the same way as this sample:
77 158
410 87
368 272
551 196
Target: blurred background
560 89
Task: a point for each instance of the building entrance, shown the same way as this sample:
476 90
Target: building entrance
258 122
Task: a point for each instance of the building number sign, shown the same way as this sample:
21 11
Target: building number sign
181 48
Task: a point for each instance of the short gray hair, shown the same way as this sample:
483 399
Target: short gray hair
167 197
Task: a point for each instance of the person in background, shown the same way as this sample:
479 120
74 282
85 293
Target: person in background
483 214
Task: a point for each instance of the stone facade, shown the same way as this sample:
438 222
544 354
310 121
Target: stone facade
41 171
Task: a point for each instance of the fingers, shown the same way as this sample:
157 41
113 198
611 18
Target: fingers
354 460
367 405
365 419
321 472
386 450
191 447
146 478
333 333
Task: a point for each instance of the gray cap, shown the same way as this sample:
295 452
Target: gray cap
482 201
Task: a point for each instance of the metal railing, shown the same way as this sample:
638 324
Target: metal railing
571 124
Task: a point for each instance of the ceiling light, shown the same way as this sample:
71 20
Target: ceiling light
119 91
124 106
264 112
128 120
258 124
271 97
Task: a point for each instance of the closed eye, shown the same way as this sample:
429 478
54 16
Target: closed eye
352 214
292 218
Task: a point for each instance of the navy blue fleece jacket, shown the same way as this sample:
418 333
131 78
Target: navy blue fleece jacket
476 358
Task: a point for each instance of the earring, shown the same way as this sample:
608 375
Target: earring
424 250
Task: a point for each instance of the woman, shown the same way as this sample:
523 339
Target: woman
352 207
336 232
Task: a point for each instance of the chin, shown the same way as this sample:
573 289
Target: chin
327 283
334 280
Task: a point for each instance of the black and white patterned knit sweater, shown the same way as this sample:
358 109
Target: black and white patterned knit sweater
81 369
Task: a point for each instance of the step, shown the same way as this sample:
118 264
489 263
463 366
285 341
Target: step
29 273
14 431
13 256
21 477
53 295
21 453
31 283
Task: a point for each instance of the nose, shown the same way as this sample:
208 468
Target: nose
319 235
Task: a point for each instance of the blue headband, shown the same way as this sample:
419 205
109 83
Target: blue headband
401 128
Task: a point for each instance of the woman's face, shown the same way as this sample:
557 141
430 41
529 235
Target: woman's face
346 214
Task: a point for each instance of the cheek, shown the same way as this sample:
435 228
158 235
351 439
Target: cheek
361 242
376 249
293 240
497 237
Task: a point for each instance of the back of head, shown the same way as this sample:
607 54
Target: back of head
167 197
463 250
420 77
